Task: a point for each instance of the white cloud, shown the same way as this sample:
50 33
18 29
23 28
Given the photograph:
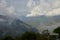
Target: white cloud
31 4
5 9
35 12
45 7
36 7
53 12
10 10
3 3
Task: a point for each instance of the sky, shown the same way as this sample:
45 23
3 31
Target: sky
29 8
13 7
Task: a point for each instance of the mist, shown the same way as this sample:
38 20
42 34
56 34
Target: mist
27 9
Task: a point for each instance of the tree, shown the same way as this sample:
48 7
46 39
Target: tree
31 36
57 30
8 38
46 34
18 37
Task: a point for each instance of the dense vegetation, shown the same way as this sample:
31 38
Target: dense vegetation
34 36
27 36
57 30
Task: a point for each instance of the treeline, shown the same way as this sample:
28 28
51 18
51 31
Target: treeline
27 36
34 36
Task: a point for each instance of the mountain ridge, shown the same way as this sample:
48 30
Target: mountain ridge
13 26
40 22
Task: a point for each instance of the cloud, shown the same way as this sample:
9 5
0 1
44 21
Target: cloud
53 12
3 3
45 7
10 10
30 8
31 4
5 9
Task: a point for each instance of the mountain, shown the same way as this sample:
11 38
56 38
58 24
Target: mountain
44 22
13 26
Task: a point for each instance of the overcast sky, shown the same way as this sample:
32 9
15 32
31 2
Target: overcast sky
30 8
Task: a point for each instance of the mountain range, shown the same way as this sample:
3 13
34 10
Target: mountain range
13 26
43 22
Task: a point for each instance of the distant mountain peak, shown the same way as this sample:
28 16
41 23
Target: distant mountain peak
13 26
